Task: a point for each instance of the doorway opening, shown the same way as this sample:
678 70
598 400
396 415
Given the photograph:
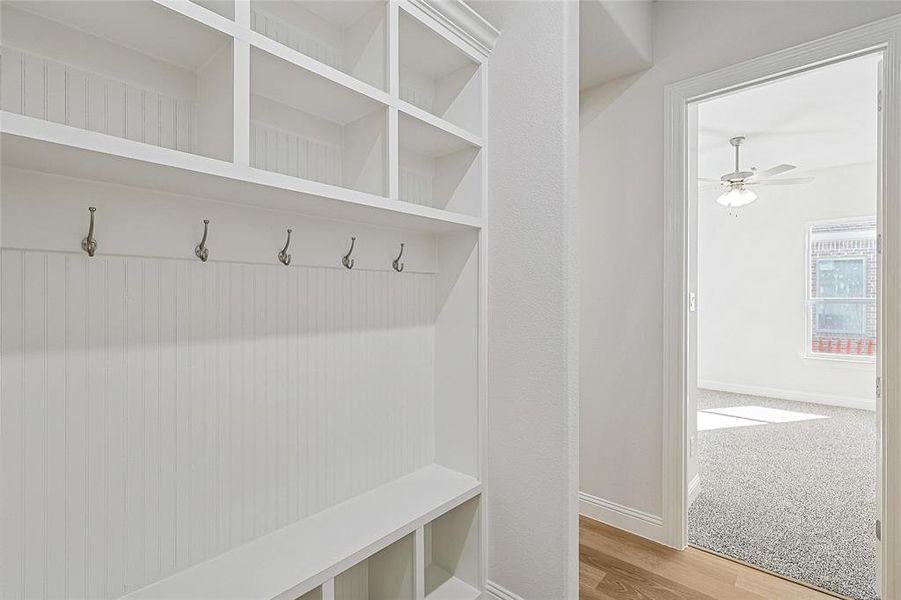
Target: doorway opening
783 461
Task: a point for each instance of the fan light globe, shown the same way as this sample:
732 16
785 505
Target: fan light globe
736 198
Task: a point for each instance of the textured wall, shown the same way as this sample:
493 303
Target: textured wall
621 183
532 138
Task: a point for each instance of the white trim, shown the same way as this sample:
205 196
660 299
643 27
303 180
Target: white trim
694 488
883 36
622 517
498 592
468 25
794 395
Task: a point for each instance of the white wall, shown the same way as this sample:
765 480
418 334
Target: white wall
192 407
752 287
622 212
532 95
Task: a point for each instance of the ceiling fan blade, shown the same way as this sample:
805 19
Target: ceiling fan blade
773 171
793 181
709 179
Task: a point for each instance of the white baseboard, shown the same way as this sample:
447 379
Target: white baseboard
797 396
694 488
497 592
622 517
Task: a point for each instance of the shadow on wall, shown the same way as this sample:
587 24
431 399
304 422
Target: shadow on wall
595 100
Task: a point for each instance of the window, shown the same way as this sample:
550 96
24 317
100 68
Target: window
841 303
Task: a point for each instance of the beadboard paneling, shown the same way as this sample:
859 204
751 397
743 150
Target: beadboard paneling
292 154
47 89
294 37
156 412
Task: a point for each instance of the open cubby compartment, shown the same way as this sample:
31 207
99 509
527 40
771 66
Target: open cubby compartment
306 126
439 77
386 575
349 35
438 169
134 70
225 8
452 567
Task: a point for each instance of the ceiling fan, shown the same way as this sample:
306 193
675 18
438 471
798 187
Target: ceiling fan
735 184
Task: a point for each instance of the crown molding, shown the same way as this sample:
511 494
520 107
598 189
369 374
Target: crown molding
463 21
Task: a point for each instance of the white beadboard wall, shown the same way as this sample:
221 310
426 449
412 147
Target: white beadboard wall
54 91
156 412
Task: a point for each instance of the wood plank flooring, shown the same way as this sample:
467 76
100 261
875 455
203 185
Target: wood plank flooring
615 565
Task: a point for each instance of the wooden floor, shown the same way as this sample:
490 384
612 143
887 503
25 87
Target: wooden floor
615 565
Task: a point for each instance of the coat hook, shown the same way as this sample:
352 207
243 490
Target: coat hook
396 264
89 244
347 261
201 251
283 256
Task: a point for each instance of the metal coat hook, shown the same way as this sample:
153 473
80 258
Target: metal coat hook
283 256
201 251
346 260
396 264
89 244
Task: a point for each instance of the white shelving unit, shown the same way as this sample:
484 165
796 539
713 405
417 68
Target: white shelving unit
316 432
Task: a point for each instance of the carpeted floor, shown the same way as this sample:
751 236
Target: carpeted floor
796 498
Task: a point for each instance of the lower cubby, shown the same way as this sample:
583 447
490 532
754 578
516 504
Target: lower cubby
452 554
437 168
386 575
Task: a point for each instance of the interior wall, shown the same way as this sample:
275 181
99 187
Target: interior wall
192 407
531 210
752 286
622 219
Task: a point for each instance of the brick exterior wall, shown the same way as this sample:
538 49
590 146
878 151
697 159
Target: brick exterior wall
844 245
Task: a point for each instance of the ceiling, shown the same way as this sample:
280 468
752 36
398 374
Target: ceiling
819 119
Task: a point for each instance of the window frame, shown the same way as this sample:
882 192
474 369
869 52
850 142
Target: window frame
810 301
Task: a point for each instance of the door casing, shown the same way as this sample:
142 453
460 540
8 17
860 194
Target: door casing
884 37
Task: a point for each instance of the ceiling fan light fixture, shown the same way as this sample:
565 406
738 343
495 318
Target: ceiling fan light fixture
736 197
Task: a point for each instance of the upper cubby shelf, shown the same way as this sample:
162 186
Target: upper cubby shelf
437 168
349 35
437 76
304 125
134 70
281 104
